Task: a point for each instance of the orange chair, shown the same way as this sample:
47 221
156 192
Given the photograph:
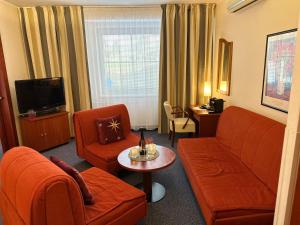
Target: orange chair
88 147
34 191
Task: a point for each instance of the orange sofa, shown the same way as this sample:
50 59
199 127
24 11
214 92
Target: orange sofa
34 191
234 175
87 145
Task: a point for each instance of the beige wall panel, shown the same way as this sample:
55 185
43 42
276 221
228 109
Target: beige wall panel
247 29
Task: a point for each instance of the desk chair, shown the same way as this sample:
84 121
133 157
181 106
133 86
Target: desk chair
179 121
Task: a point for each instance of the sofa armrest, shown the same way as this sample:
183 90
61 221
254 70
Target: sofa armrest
63 204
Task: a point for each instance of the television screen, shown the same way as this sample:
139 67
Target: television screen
39 94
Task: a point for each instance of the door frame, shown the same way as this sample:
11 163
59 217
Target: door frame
291 150
8 133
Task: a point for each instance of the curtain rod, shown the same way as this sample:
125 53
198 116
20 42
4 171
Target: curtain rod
122 6
143 6
125 6
101 6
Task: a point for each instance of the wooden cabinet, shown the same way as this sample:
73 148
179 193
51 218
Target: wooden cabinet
44 132
206 123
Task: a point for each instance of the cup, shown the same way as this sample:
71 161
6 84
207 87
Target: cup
151 149
134 152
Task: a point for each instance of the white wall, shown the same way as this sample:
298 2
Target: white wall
14 53
247 29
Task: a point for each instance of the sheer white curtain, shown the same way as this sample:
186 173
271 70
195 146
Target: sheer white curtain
123 55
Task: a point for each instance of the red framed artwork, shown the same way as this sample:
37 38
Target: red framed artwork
278 70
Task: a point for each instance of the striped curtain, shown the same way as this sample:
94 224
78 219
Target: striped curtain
186 55
55 46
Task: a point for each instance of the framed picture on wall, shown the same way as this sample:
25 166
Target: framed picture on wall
278 71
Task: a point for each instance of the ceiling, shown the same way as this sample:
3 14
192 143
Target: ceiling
101 2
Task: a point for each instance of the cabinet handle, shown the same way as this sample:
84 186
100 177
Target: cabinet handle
45 134
42 135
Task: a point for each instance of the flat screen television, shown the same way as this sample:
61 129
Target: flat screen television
40 94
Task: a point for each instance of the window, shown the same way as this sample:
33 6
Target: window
123 54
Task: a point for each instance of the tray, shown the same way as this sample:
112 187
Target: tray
143 158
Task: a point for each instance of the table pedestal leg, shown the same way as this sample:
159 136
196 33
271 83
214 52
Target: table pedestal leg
147 183
153 190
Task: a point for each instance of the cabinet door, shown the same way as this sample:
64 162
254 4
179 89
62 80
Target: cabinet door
56 130
208 125
33 134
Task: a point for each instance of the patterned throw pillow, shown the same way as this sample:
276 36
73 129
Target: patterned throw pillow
86 194
109 129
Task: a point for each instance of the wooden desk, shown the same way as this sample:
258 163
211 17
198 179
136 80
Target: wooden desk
206 123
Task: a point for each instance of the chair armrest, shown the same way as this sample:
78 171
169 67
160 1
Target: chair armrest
177 111
187 114
177 108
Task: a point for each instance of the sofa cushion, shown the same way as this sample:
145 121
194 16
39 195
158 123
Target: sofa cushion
109 129
113 198
234 120
229 187
255 139
86 194
262 151
110 152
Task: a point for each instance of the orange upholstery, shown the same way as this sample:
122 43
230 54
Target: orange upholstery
235 174
34 191
88 147
114 199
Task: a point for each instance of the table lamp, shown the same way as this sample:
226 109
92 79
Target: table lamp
207 90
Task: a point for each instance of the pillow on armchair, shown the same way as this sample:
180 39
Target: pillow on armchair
109 129
86 193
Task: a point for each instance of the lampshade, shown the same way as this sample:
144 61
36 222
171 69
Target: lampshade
207 89
223 86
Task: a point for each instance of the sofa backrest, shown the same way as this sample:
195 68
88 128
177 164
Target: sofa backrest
256 140
35 191
85 122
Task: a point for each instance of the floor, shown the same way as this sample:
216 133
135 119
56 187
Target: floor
178 207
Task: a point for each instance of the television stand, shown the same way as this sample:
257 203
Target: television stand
47 131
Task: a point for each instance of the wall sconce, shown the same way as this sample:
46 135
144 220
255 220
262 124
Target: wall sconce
223 86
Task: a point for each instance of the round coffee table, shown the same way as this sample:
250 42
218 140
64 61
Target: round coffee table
154 191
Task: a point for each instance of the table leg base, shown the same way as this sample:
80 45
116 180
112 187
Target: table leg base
158 192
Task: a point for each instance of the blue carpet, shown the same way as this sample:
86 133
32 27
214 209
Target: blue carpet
178 207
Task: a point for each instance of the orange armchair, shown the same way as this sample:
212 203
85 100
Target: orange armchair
34 191
87 145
